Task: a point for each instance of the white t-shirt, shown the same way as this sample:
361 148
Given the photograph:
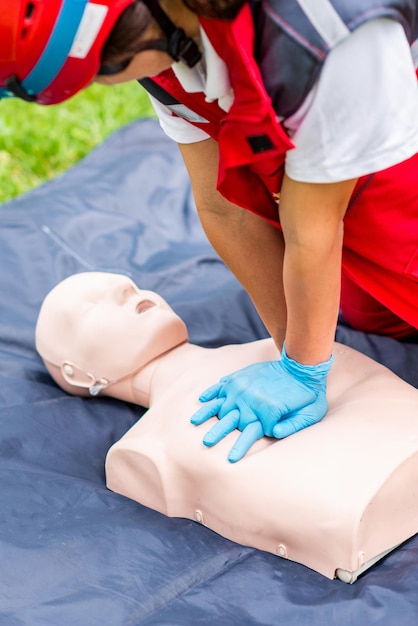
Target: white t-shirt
360 117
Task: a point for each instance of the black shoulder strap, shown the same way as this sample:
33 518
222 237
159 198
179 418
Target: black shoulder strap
157 92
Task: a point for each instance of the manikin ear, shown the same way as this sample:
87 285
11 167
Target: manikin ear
75 376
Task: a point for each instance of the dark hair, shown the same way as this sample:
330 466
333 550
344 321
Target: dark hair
125 38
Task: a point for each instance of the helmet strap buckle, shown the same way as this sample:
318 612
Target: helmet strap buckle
15 87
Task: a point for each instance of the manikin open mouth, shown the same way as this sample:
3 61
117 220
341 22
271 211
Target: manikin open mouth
144 305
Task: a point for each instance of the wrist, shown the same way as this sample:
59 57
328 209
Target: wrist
308 374
308 350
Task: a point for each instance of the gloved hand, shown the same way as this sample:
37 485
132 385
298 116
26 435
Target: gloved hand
273 398
251 428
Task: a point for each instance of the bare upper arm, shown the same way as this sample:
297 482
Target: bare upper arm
201 160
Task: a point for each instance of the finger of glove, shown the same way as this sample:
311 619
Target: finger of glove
298 421
231 401
247 438
211 409
221 429
246 416
210 393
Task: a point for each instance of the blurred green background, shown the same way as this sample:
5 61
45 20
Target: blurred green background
38 142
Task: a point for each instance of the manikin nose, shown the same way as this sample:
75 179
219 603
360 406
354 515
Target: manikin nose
144 305
122 293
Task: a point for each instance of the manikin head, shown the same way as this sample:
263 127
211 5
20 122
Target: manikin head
95 329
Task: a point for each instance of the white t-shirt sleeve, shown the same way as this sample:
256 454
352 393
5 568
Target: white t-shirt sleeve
362 115
177 128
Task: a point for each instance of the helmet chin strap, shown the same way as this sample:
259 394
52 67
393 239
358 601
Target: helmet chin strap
178 45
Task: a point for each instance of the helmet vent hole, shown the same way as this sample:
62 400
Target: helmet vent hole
29 10
27 22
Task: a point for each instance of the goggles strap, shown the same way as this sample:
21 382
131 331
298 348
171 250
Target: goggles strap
179 46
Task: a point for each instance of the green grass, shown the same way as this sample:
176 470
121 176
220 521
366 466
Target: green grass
38 142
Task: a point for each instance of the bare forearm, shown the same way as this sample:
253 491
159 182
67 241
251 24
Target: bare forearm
312 220
253 250
312 287
250 247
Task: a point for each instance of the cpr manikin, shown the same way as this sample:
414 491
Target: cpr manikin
335 496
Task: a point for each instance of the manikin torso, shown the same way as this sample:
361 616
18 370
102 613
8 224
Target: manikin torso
334 496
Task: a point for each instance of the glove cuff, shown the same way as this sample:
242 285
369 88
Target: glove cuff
308 374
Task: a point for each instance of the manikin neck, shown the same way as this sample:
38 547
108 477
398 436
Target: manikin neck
154 377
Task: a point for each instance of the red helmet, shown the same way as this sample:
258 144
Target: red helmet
50 49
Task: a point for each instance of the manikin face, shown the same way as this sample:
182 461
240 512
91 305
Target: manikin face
103 325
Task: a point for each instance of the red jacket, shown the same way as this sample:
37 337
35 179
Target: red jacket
252 142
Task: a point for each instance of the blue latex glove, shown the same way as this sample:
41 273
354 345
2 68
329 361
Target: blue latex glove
273 398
